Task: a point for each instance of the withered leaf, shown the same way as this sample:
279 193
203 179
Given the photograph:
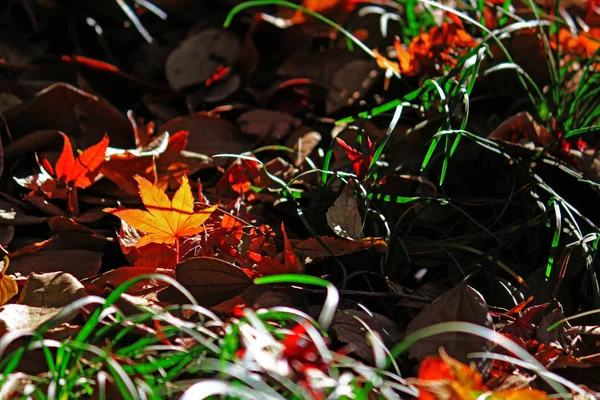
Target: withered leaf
79 263
313 249
198 57
210 280
461 303
348 329
343 216
54 289
117 276
68 109
267 123
208 135
21 316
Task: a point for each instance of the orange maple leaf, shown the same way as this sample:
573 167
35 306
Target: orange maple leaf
166 221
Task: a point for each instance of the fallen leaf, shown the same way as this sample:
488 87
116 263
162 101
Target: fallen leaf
350 83
313 249
166 221
444 377
69 172
54 289
198 57
79 263
8 286
434 50
343 216
360 162
65 108
461 303
267 123
208 134
210 280
291 261
118 276
15 317
349 330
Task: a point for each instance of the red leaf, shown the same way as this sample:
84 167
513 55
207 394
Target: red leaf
360 162
79 172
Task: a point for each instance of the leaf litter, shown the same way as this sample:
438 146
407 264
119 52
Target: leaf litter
434 173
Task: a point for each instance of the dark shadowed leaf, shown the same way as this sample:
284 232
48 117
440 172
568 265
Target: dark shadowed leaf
73 111
117 276
210 280
208 135
79 263
351 81
198 57
349 330
267 123
313 249
461 303
12 215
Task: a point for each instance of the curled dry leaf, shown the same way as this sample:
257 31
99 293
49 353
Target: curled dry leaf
461 303
343 216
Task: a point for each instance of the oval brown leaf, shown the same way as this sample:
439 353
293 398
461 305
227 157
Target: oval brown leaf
461 303
118 276
55 289
343 216
79 263
339 247
210 280
349 330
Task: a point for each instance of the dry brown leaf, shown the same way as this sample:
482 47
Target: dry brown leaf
79 263
54 289
313 249
117 276
461 303
20 316
210 280
348 329
343 216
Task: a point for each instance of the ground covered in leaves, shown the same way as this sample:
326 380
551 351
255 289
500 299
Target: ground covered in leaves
322 199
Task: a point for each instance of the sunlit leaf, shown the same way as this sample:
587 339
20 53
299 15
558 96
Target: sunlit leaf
165 221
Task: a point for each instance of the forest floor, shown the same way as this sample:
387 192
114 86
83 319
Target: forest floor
273 200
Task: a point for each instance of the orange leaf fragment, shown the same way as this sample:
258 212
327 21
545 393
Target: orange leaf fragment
165 221
8 286
443 377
